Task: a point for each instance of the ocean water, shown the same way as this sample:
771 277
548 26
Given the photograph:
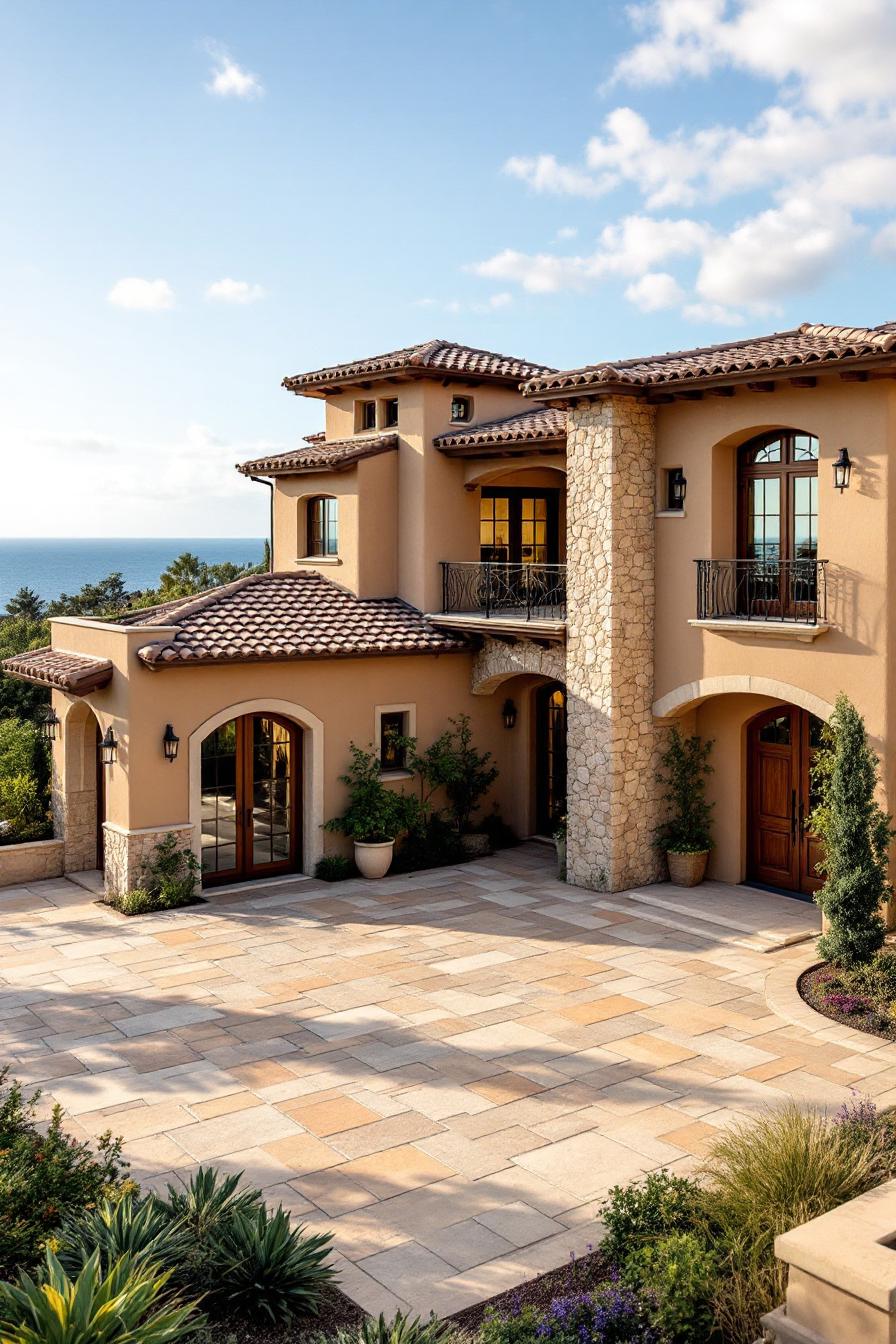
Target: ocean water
52 565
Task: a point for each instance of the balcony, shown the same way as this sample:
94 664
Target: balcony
784 599
516 600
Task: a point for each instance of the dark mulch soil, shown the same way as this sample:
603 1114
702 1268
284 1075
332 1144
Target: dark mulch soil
578 1276
337 1312
813 987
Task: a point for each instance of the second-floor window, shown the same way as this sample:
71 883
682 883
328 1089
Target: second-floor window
365 416
461 409
323 526
390 413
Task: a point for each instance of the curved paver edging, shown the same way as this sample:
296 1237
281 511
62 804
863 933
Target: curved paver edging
784 999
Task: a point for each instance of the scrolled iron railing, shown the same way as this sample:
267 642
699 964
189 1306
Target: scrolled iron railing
762 590
493 588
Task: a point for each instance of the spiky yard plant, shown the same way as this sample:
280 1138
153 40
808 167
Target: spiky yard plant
400 1330
127 1304
140 1228
208 1202
855 833
268 1269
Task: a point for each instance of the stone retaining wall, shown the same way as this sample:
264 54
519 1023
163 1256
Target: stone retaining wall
30 862
125 852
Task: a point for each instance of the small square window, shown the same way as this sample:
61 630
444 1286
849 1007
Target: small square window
393 732
390 413
365 416
461 409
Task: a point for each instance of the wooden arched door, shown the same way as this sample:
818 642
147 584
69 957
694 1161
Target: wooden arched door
251 795
781 851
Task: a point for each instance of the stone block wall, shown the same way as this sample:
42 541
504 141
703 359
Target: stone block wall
126 851
30 862
613 744
495 662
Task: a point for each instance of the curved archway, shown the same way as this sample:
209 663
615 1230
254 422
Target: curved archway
781 742
79 789
312 781
692 693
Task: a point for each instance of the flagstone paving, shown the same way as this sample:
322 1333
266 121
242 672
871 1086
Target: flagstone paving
445 1070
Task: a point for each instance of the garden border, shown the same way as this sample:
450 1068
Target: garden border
28 861
784 1000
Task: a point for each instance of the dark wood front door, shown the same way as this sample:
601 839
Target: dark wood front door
781 851
251 768
550 757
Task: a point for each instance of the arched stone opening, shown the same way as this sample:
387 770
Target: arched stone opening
78 789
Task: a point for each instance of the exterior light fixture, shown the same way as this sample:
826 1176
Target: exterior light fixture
109 747
678 488
508 714
842 470
170 743
49 723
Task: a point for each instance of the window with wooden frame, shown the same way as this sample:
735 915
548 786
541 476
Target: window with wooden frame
365 416
461 410
389 417
323 526
394 725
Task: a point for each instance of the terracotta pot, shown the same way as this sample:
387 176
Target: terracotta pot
374 860
687 870
476 846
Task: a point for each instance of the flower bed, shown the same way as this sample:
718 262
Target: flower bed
863 998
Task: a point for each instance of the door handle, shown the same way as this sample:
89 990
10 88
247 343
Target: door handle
793 816
802 817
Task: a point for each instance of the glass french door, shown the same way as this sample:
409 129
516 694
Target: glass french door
251 769
518 526
778 525
550 756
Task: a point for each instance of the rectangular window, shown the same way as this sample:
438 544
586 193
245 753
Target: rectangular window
393 728
461 409
323 526
365 416
390 413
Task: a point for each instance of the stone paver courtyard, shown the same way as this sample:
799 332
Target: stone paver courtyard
446 1070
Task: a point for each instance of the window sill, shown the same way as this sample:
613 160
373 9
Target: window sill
318 560
671 513
388 775
795 630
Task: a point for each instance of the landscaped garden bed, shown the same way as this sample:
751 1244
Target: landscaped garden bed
863 997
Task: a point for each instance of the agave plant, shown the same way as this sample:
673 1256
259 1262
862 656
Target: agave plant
269 1269
128 1304
208 1204
400 1330
140 1228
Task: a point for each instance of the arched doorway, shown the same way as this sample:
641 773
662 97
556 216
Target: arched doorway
550 756
781 851
79 792
251 798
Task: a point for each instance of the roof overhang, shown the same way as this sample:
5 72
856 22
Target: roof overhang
75 673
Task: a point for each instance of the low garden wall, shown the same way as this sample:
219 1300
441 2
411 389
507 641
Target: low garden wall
31 861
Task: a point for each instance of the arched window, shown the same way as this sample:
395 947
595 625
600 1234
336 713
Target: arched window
778 525
323 525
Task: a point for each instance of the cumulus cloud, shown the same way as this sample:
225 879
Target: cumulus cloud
884 243
147 295
234 291
229 80
655 290
544 173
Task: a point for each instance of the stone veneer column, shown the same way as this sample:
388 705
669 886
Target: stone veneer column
124 853
612 742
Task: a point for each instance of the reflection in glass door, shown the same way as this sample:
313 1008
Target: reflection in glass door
250 772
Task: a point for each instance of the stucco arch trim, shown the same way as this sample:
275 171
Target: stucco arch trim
312 769
692 693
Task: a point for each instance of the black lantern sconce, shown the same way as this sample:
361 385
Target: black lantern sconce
508 714
842 470
170 743
49 723
678 488
109 747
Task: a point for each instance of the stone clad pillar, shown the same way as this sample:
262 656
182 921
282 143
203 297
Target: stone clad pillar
612 742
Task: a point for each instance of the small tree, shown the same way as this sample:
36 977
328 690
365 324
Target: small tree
855 834
688 827
27 605
454 764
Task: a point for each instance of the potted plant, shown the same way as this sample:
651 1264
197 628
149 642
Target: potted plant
375 815
466 775
560 842
685 835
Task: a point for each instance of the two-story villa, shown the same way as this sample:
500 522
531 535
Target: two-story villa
574 559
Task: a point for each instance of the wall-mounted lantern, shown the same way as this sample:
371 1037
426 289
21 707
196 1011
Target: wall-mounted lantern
508 714
678 488
170 743
842 470
109 747
48 724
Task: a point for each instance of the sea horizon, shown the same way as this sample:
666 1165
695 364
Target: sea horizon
53 565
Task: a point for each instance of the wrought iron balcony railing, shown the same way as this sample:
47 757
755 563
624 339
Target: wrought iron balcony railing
491 588
762 590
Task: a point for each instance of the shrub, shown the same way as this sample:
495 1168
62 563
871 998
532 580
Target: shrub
686 765
453 764
170 873
519 1326
334 868
24 810
431 845
400 1330
268 1269
855 833
44 1177
128 1304
205 1209
645 1211
139 1228
612 1314
680 1270
876 978
374 813
136 902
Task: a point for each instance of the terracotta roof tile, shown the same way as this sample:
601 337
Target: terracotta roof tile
336 455
271 617
541 423
73 672
433 358
811 345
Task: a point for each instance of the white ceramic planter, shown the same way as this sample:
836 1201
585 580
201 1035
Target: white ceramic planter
374 860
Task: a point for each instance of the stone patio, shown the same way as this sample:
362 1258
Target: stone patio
447 1070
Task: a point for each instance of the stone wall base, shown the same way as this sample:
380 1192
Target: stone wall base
126 851
31 861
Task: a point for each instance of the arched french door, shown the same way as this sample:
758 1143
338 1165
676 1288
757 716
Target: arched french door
778 525
251 772
781 850
550 756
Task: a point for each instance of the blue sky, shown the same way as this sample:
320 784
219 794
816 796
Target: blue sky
201 198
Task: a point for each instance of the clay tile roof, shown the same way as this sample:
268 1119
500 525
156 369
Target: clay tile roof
811 346
72 672
272 617
432 358
538 425
336 455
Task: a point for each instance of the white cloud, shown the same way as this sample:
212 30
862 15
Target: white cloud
147 295
884 243
712 314
234 291
229 80
545 174
655 290
567 232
